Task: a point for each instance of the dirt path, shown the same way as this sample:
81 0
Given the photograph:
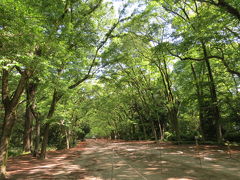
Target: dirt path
103 160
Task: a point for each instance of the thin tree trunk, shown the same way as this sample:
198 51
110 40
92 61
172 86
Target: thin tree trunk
55 99
45 141
235 84
200 102
153 127
27 130
141 117
160 128
37 137
154 131
133 132
67 138
144 129
172 104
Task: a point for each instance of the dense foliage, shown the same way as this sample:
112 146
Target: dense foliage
162 70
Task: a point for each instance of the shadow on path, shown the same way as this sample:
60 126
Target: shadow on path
109 160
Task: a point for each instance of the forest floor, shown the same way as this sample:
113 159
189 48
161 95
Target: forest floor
121 160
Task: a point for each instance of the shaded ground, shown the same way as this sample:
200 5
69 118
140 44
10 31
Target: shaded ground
58 165
104 160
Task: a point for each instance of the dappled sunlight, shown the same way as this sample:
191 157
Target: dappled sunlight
59 164
179 179
130 160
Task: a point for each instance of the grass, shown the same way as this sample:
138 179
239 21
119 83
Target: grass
17 151
13 152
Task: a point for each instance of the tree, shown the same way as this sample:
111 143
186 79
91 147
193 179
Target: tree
17 53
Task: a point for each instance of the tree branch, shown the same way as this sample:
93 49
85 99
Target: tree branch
19 90
229 69
222 4
102 43
5 88
93 8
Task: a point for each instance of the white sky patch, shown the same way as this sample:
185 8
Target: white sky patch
118 6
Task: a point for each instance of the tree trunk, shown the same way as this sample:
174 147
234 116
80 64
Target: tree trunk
172 114
200 102
45 141
172 103
37 137
133 132
55 99
160 128
27 130
67 138
9 120
153 127
143 126
227 7
216 113
30 91
142 121
10 105
154 131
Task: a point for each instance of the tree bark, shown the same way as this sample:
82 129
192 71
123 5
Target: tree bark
9 120
67 134
227 7
161 133
172 115
216 112
143 126
55 99
222 4
45 141
200 102
10 105
27 138
37 137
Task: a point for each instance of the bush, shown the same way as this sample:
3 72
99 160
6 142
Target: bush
168 136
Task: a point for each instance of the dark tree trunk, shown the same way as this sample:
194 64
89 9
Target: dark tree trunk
9 120
161 133
45 141
215 109
27 130
142 118
55 99
200 102
10 105
30 91
230 9
143 127
224 5
172 115
37 137
154 131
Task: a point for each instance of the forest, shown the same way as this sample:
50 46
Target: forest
161 70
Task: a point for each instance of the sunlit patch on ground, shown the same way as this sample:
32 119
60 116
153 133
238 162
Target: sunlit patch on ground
104 160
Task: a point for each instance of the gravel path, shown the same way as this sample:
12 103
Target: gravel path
104 160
